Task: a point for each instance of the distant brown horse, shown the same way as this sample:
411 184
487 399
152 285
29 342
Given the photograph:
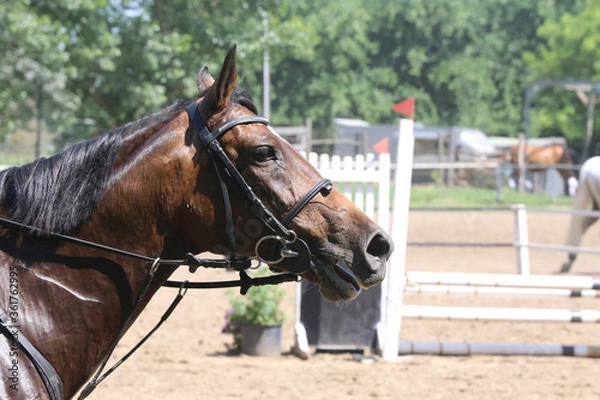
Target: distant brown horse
543 156
205 175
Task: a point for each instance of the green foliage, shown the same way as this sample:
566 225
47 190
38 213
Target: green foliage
85 66
32 81
569 49
260 306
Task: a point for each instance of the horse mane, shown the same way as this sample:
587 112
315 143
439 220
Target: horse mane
242 97
57 194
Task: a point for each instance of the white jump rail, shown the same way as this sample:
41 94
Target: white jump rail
498 291
501 285
507 349
503 280
500 314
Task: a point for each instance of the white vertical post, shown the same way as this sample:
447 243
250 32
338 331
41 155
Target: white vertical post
383 203
369 188
300 348
521 239
393 285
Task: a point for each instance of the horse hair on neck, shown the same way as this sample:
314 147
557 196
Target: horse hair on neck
57 194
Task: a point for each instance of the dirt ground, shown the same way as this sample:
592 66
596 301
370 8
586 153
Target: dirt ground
187 358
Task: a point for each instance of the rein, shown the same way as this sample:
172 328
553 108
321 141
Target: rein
283 249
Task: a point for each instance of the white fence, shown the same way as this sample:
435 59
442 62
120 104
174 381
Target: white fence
365 180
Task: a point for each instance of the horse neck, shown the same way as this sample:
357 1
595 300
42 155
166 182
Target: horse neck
96 291
142 196
138 209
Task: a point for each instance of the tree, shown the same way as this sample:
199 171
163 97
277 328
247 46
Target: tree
255 26
570 50
103 63
32 81
463 60
120 65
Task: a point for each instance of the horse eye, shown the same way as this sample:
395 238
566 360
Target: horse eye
264 153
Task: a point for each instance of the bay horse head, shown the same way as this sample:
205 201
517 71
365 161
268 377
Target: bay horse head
210 176
346 250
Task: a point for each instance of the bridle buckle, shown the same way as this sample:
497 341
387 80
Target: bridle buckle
273 249
290 255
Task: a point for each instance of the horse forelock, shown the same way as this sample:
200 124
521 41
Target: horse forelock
57 194
243 98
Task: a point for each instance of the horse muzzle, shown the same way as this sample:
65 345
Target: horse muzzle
342 275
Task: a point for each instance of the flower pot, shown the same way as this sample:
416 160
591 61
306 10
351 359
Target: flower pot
261 340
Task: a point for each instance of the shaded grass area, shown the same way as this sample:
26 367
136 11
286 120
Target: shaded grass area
440 196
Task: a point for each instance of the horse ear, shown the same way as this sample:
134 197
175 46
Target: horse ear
221 89
225 82
205 80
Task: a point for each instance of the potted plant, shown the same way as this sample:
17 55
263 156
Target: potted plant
255 320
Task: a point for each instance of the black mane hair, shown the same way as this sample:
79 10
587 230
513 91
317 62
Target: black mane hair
242 97
58 193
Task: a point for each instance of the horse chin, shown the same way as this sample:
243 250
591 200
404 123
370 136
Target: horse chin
336 281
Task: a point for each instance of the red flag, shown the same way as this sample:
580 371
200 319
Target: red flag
383 146
406 107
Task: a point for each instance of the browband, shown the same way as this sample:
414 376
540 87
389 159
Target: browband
206 136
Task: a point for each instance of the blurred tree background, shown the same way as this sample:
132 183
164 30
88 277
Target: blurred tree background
79 67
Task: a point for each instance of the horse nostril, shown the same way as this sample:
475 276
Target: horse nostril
380 246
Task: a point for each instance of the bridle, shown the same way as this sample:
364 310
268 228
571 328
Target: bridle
287 249
282 249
